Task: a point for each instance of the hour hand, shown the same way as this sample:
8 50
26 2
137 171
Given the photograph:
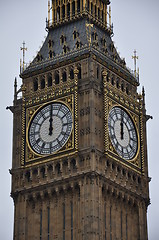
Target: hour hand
122 127
50 122
122 130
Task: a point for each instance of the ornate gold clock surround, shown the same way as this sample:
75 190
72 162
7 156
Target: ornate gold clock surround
30 154
113 98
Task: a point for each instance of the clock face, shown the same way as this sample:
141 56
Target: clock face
122 133
50 128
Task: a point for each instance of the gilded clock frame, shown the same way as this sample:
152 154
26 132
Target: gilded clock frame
134 163
31 157
133 119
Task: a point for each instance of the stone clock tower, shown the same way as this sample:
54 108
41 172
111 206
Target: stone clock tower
79 168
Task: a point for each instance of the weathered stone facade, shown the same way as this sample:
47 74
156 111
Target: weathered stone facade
85 190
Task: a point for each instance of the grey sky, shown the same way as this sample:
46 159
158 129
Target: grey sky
135 27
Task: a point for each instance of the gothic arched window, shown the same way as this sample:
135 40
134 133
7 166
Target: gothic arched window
43 83
73 8
71 74
49 80
64 76
57 78
35 85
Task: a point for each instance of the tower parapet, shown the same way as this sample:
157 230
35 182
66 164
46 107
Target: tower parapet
96 11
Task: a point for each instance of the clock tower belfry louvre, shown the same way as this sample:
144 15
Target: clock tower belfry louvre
79 167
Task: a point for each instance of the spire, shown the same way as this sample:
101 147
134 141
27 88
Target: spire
15 89
135 57
23 49
48 13
110 17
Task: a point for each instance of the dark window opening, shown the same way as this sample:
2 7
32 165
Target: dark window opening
78 44
117 83
58 14
98 13
112 81
63 11
68 10
127 90
50 80
28 176
91 8
79 72
122 87
97 72
73 164
50 54
95 36
71 74
88 5
57 78
65 49
108 76
50 43
43 83
78 6
35 85
75 34
73 8
63 39
64 77
57 168
39 58
95 10
43 172
102 16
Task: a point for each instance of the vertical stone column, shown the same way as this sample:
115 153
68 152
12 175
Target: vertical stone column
52 13
60 20
36 219
56 216
76 71
142 221
100 217
70 9
90 7
16 215
24 221
30 221
105 73
82 209
118 209
55 7
65 11
81 7
108 205
104 13
79 222
84 5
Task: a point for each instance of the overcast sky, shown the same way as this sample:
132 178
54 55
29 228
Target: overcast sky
136 26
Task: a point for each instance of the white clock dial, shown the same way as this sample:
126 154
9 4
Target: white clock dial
50 128
122 133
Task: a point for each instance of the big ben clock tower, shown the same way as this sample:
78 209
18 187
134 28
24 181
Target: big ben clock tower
79 167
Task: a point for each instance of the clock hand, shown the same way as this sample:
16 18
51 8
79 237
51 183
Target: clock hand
50 120
122 126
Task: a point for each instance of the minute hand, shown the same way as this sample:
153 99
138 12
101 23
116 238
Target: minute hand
50 120
122 127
